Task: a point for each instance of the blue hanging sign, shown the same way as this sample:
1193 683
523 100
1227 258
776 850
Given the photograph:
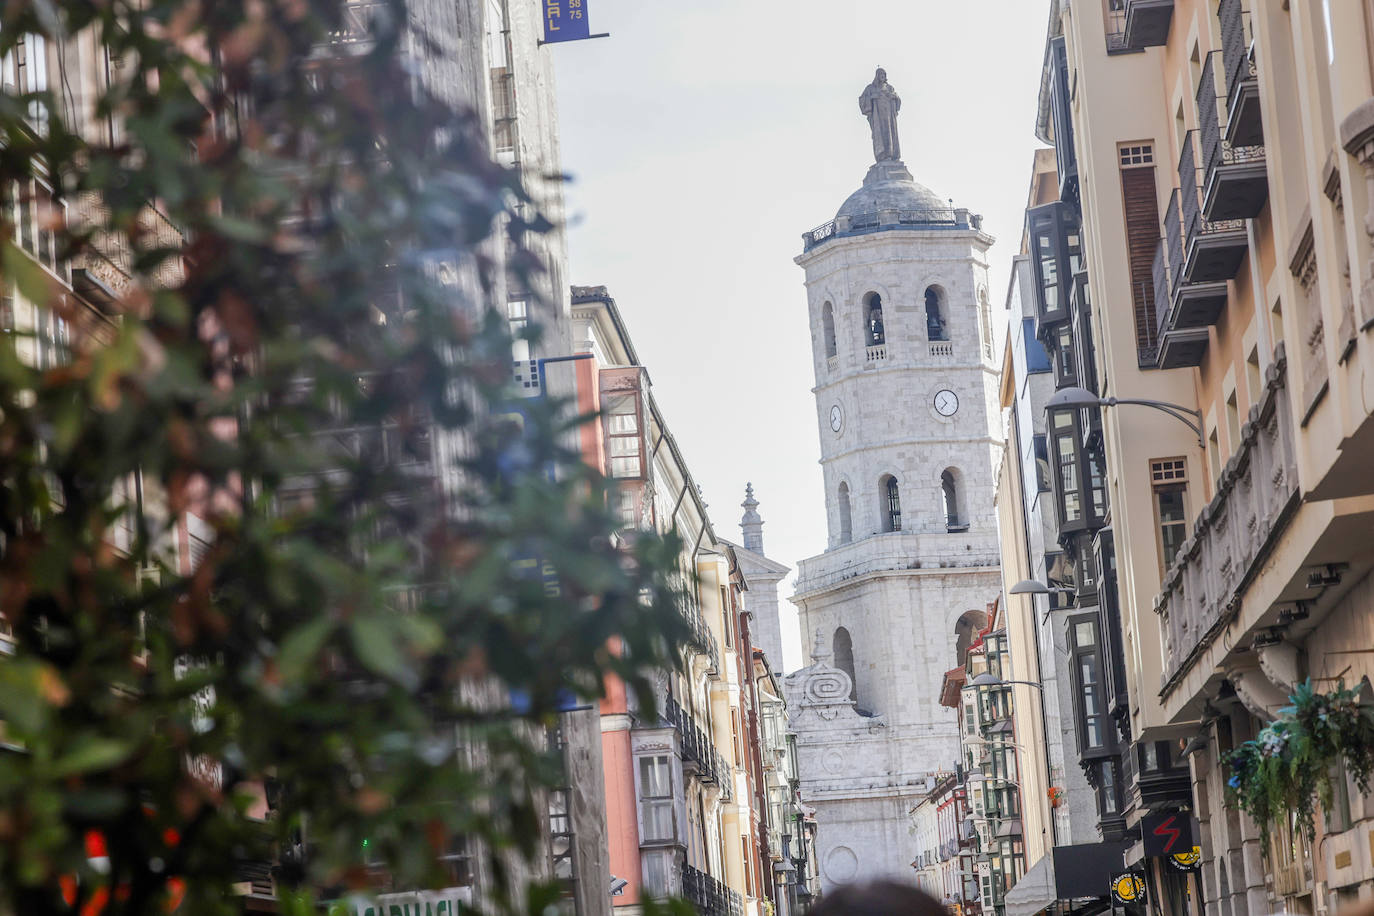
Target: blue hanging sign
565 20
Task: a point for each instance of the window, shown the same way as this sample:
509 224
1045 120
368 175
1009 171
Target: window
1252 376
624 443
842 646
1056 255
985 322
936 325
1108 803
846 523
1169 478
1092 718
26 70
1233 421
626 508
727 619
949 486
748 866
1214 455
36 216
517 315
1136 154
1066 369
1042 463
892 504
734 736
828 330
656 798
873 320
1037 360
1142 237
1065 433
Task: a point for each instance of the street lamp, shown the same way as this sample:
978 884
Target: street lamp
1082 397
987 679
1033 587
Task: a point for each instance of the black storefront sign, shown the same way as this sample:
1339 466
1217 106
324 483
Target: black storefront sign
1086 870
1168 833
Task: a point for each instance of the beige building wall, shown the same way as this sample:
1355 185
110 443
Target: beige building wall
1119 101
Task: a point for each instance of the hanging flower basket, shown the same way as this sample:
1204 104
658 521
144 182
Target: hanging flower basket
1287 767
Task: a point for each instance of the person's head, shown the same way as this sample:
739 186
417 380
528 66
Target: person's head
878 898
880 76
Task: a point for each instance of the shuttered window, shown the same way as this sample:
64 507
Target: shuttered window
1142 235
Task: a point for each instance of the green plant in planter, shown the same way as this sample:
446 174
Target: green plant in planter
1287 766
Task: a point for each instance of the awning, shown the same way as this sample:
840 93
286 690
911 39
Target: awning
1034 891
1009 828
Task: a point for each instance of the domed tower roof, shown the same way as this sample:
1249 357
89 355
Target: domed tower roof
891 189
889 197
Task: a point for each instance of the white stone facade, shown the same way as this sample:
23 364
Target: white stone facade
881 606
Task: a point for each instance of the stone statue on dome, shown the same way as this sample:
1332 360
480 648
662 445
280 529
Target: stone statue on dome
880 102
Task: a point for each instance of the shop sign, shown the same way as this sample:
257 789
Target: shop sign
1128 887
447 902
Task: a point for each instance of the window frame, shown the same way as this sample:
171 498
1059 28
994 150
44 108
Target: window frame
655 802
613 435
1169 476
892 505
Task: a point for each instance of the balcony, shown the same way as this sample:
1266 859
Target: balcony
1213 249
1255 497
1182 341
940 350
699 754
1235 180
875 353
709 896
1147 23
1182 310
1244 125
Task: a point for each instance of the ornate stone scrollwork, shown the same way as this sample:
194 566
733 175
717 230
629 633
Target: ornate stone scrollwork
828 685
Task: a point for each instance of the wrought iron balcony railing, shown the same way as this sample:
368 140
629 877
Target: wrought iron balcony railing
1213 249
1243 121
699 754
878 220
1235 182
709 896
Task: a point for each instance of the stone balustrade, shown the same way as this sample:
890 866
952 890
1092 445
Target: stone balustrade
1255 498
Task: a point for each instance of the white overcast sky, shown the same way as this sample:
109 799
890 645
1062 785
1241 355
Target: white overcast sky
704 137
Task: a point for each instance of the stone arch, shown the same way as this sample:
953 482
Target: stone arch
844 514
955 499
828 330
875 332
842 650
890 505
966 630
936 302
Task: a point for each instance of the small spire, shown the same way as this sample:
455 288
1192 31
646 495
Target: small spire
820 652
751 524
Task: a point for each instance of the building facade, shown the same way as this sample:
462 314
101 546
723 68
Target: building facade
906 402
688 785
1217 153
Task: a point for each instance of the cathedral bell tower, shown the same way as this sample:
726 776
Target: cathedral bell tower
907 413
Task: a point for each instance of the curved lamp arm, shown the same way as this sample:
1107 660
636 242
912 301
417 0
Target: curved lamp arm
1177 411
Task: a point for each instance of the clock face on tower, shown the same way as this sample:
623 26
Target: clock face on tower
946 402
836 418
